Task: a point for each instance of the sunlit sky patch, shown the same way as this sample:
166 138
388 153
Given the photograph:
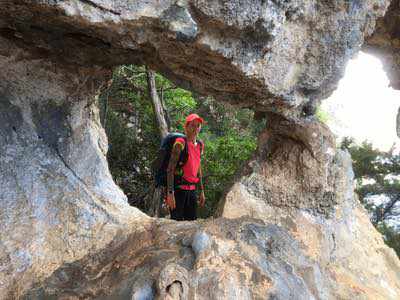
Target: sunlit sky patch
364 106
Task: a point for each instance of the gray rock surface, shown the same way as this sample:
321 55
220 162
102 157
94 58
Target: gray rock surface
306 191
291 227
58 199
385 43
201 242
280 56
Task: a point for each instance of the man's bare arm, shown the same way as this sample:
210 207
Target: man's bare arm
201 178
175 153
202 197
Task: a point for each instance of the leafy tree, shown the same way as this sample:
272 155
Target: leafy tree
322 115
129 122
391 237
223 156
378 185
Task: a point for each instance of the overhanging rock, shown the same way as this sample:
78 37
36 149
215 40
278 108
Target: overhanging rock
385 43
279 56
67 230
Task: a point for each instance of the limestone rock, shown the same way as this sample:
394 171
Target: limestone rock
58 199
280 56
309 198
291 227
385 43
173 282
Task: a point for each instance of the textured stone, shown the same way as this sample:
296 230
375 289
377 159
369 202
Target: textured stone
280 56
291 226
201 242
58 199
293 168
385 43
302 256
173 282
344 256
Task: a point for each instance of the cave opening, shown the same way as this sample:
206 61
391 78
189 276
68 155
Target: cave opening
364 106
128 116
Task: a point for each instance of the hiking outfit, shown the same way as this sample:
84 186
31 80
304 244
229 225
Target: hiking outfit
185 181
185 177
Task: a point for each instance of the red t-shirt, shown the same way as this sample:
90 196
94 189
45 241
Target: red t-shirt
191 168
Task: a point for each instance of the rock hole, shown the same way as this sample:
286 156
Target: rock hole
288 15
127 114
173 285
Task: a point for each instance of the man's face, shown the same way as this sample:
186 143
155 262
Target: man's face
193 127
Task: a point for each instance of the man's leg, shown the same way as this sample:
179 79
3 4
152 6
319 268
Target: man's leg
190 209
178 212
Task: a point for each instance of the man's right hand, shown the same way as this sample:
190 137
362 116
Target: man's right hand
171 201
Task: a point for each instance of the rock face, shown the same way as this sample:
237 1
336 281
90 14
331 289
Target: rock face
290 227
385 44
315 205
58 198
280 56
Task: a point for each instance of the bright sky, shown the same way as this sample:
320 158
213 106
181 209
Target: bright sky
364 106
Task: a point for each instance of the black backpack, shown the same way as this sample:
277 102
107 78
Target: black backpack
160 164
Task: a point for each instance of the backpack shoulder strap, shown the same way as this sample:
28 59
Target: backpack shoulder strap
185 147
184 153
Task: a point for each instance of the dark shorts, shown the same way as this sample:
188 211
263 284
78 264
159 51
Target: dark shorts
186 205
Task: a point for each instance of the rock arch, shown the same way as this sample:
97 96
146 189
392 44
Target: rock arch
292 227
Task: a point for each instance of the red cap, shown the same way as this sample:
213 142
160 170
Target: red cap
193 117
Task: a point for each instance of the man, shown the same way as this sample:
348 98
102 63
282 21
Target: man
181 196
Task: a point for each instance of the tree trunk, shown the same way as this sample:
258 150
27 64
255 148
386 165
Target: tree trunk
167 119
157 105
155 200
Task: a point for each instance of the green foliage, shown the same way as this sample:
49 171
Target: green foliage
224 155
366 163
391 237
377 174
229 134
179 104
128 119
230 137
322 115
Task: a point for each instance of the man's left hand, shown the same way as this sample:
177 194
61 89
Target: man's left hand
202 199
